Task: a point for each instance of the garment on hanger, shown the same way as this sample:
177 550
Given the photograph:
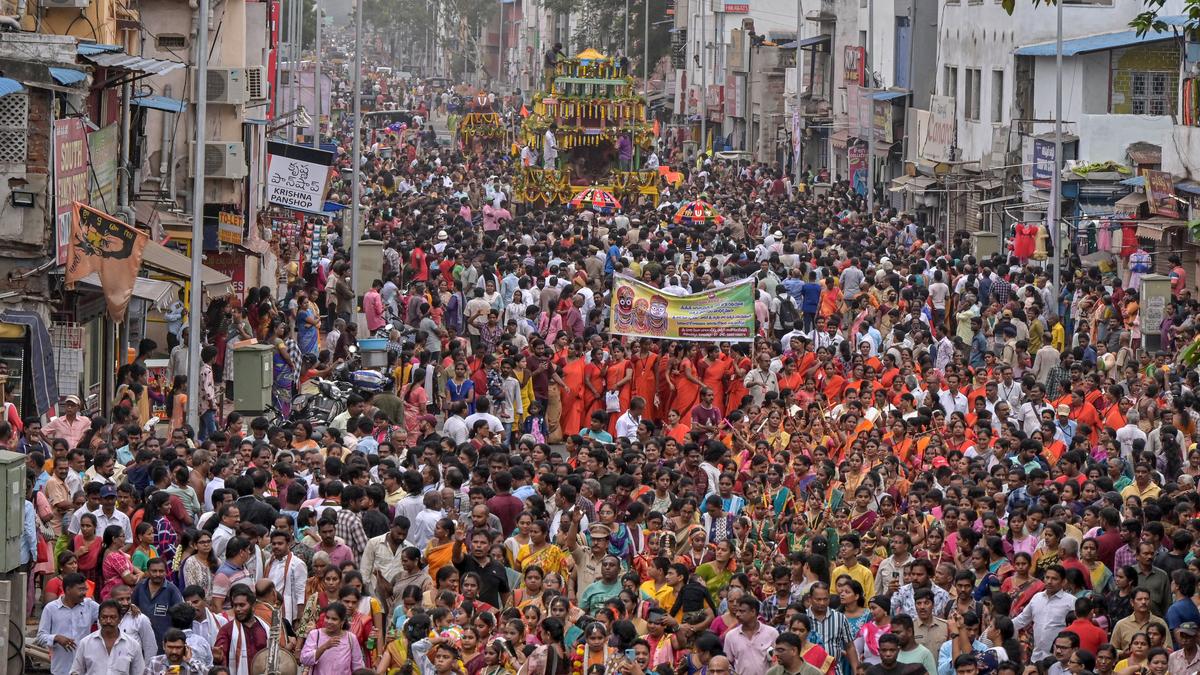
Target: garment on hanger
1023 244
1140 264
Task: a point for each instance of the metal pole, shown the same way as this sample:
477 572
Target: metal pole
1056 177
625 51
500 54
197 277
316 112
356 160
703 98
796 160
645 47
871 117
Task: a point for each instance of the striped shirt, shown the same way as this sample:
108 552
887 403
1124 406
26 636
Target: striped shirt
833 631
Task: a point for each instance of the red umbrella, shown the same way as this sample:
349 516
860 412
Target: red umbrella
601 201
697 212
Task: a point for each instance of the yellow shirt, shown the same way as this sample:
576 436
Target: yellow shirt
664 595
861 573
1151 491
1058 338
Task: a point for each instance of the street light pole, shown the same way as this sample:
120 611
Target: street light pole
356 160
703 98
500 54
316 113
625 51
870 59
197 277
1056 177
645 48
798 109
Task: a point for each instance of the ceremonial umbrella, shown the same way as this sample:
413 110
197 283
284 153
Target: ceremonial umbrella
601 201
697 212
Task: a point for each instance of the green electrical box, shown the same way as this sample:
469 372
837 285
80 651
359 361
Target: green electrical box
13 466
252 378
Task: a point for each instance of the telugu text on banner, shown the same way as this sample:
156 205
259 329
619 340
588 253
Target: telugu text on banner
723 314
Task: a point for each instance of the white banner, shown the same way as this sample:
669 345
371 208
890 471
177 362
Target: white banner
297 177
939 135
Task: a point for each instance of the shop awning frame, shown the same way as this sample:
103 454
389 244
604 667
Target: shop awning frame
177 265
161 293
1132 200
163 103
1155 228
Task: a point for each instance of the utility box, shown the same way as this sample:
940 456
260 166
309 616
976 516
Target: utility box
984 244
1155 295
367 267
253 376
13 466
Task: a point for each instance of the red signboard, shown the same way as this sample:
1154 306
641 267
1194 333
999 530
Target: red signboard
70 179
1160 194
854 63
273 55
232 265
737 8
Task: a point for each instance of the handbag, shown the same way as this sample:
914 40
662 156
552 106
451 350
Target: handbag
612 401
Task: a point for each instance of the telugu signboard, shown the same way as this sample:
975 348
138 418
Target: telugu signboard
1043 163
724 314
298 177
939 133
70 179
1160 194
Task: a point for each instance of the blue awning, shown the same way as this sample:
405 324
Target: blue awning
334 207
1189 186
1099 43
888 95
93 48
114 56
1136 181
67 76
10 86
163 103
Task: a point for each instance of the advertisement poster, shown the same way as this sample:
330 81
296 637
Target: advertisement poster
70 179
939 135
103 150
724 314
857 156
1043 163
1160 194
854 65
297 177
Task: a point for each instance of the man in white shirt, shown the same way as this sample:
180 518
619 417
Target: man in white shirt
288 573
1046 612
100 653
455 426
627 424
66 621
951 398
1129 433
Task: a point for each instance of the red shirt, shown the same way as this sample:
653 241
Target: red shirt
1090 635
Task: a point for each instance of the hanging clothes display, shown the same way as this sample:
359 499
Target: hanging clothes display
1023 244
1104 235
1085 237
1041 243
1140 264
1128 238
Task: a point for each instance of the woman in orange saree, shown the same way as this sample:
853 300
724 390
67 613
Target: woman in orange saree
644 363
716 369
618 377
575 396
685 383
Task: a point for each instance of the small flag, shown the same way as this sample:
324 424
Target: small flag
656 127
524 111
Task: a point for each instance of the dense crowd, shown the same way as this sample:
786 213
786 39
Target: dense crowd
924 462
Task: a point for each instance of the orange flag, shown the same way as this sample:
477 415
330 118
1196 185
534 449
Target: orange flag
656 127
524 111
110 248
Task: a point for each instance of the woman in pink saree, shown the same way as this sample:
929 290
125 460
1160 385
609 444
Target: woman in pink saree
416 402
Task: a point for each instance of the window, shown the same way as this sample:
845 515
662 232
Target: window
1151 93
974 82
1088 3
14 128
950 81
997 96
169 42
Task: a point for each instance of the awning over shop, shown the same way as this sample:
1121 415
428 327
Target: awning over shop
989 184
817 43
1188 186
920 184
888 95
900 183
179 266
1132 200
10 86
114 56
1135 181
840 139
161 293
163 103
67 76
1154 228
997 200
1098 43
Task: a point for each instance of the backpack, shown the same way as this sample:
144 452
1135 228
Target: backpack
787 311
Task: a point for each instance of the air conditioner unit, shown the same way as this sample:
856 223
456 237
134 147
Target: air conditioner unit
256 84
226 85
64 4
225 160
